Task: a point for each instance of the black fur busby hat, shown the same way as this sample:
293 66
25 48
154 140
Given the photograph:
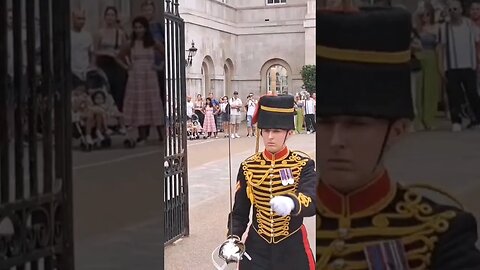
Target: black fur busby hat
363 63
275 112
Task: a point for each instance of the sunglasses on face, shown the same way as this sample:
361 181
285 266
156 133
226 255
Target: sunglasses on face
453 9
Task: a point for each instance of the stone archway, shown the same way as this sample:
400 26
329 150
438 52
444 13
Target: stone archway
276 75
208 71
205 79
228 71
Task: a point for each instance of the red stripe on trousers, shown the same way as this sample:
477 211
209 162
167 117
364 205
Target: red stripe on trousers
308 251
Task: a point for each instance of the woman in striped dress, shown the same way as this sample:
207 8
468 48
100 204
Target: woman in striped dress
209 126
142 105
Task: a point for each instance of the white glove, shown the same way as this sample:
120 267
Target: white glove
282 205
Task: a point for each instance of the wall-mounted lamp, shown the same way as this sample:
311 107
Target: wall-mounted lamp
191 53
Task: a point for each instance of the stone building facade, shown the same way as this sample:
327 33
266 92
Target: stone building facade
249 45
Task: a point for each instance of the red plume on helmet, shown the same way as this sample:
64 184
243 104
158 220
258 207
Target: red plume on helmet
255 114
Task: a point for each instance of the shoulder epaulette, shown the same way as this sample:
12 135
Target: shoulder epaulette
252 157
302 154
437 190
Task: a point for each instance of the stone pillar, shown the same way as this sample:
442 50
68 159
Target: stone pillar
310 33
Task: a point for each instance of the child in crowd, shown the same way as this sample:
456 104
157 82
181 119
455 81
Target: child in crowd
81 113
104 107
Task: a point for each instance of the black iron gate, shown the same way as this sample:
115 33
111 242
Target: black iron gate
36 230
176 178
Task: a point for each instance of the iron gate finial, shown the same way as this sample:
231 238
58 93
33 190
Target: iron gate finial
175 9
168 3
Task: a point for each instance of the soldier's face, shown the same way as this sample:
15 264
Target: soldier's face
274 139
349 148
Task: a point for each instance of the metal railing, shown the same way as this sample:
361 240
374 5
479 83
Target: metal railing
176 168
36 214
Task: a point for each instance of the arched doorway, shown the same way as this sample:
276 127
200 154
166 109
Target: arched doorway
207 75
228 74
205 79
276 77
226 80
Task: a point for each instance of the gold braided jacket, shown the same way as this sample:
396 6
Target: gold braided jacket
429 235
259 180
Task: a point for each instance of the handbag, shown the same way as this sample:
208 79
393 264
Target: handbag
415 64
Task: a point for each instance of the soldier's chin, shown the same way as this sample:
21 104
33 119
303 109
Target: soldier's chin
272 148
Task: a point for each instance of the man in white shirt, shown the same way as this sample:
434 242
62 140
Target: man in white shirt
458 56
235 114
310 104
81 46
189 107
251 105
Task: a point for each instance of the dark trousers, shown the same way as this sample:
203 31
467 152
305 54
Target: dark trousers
161 84
310 122
291 253
117 78
461 88
201 116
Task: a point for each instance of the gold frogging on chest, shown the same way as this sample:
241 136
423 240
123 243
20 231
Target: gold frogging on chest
411 219
264 182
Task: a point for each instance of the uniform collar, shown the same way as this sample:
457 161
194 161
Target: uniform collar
364 201
277 156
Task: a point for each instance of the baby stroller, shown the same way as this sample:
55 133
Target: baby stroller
194 128
96 81
192 133
79 132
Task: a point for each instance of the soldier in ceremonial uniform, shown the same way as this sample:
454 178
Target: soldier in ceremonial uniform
365 220
280 185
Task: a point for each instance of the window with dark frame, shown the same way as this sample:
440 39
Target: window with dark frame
276 2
